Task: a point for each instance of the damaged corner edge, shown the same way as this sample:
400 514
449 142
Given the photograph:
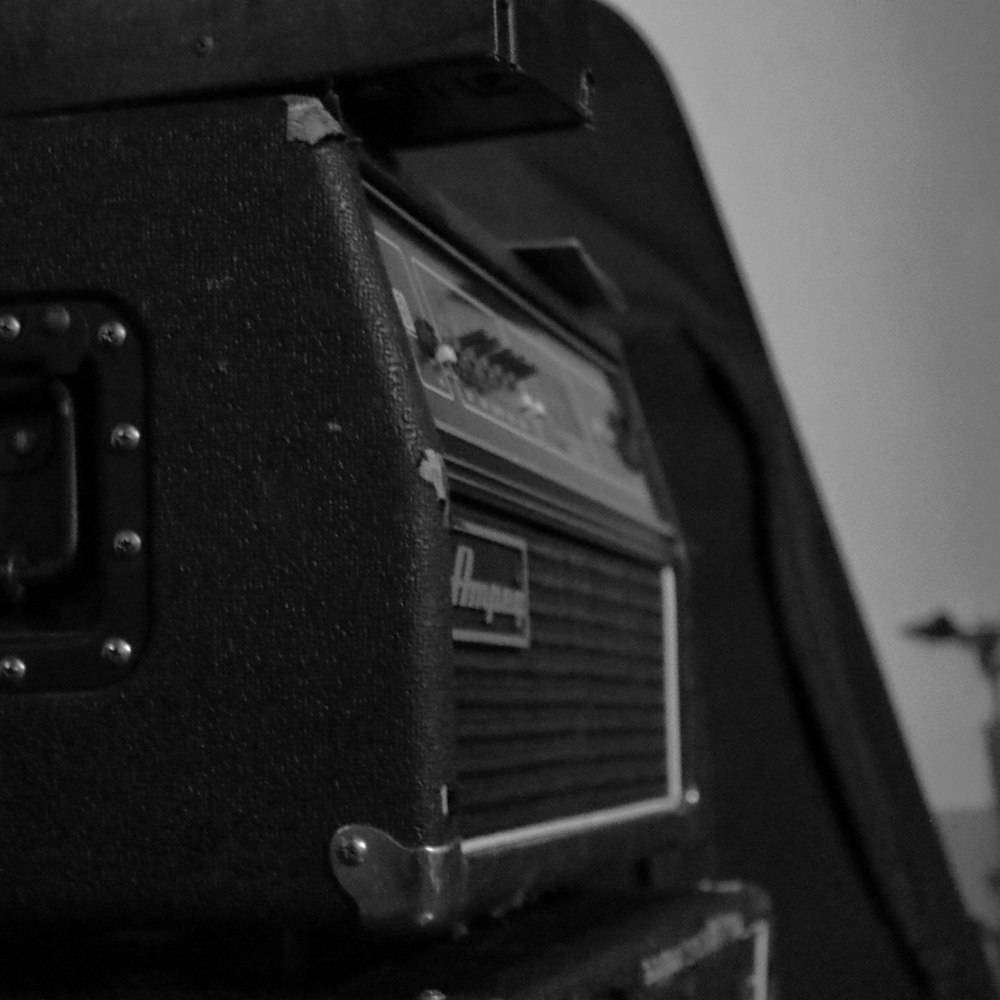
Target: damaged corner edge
431 469
308 120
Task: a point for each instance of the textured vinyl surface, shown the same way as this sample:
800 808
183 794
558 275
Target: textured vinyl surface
292 681
576 722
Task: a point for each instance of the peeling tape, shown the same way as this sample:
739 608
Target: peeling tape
431 469
309 121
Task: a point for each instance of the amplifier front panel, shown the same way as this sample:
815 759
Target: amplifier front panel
565 657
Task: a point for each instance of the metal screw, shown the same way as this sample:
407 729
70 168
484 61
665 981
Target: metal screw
127 543
23 441
56 319
432 995
13 669
111 334
125 437
352 851
10 327
116 651
446 356
204 45
692 796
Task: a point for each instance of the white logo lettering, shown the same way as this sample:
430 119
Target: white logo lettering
490 598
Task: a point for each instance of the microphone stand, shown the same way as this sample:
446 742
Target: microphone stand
983 641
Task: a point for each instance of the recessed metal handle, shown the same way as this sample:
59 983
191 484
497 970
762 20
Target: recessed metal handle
39 512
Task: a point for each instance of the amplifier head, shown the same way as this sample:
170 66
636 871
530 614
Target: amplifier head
566 575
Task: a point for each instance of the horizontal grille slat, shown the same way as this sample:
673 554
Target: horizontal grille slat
521 784
476 724
575 590
609 567
592 612
575 722
510 815
521 691
559 663
585 636
497 756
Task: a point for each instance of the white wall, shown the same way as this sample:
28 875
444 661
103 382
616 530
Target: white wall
854 149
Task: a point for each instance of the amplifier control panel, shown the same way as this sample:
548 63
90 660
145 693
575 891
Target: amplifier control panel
499 375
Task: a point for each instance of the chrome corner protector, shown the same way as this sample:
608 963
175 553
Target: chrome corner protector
399 889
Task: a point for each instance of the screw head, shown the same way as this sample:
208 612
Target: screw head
23 441
431 995
127 543
13 669
446 356
692 796
56 319
125 437
352 851
116 651
10 327
111 334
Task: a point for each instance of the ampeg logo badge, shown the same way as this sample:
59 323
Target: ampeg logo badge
489 587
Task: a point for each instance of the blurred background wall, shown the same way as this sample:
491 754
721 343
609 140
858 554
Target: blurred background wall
854 151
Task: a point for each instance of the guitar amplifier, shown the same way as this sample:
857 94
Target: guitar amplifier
713 944
564 581
338 576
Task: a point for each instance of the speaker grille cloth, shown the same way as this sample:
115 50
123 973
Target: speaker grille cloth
575 723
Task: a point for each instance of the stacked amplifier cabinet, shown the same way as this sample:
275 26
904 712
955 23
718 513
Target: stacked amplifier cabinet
340 581
710 944
713 944
565 572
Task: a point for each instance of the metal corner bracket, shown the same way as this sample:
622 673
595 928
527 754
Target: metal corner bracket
399 889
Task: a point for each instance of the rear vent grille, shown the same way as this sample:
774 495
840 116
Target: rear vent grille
575 723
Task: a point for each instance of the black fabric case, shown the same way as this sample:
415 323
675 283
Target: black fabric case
284 432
